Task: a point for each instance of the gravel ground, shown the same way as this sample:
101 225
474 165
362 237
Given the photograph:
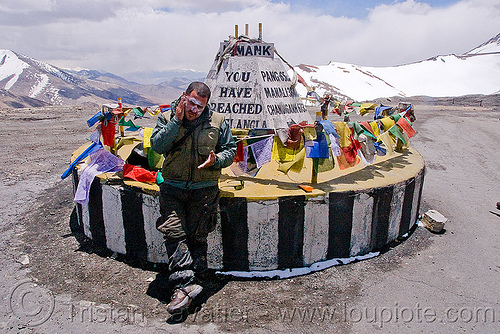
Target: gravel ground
53 281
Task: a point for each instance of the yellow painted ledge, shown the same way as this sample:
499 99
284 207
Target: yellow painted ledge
269 183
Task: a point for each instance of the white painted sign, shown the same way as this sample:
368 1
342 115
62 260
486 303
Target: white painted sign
253 89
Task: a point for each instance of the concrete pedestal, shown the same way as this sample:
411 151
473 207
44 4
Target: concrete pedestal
271 227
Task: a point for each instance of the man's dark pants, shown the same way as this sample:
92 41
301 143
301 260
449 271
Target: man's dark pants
187 216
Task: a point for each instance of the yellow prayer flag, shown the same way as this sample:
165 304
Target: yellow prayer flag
126 111
296 164
282 153
310 133
154 112
146 139
375 128
344 132
388 142
387 122
365 108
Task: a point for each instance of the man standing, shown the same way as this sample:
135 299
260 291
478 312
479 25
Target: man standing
196 144
324 107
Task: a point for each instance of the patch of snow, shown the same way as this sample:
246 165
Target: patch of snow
11 66
41 83
55 98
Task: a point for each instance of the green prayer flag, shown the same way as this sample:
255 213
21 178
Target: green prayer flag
155 160
358 130
395 131
122 122
324 164
396 117
138 111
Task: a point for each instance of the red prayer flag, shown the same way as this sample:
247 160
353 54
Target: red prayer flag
240 154
139 174
403 123
367 126
108 133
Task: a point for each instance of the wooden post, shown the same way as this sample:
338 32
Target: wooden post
260 32
246 29
236 30
122 133
314 174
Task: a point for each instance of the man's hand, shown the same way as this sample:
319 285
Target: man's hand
209 162
181 107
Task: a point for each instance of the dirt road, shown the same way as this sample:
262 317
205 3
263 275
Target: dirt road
432 283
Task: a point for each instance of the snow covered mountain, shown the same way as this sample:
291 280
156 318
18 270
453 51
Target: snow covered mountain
25 81
490 46
474 72
29 81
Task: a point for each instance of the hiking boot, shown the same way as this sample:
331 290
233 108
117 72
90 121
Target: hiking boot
182 297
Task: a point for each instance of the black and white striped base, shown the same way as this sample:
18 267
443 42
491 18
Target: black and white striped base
288 232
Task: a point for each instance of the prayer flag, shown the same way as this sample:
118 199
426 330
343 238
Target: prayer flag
282 153
108 133
334 143
367 152
139 174
309 133
319 148
101 161
262 151
406 126
387 122
344 132
94 119
379 110
329 128
378 147
146 139
367 127
344 164
138 112
397 132
365 108
296 164
375 129
324 165
388 142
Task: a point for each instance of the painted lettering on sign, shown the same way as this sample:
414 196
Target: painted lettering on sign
237 76
243 49
285 108
246 123
237 108
244 92
278 92
274 76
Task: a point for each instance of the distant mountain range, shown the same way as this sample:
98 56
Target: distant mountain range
27 82
474 72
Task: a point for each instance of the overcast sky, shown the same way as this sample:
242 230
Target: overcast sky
126 36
